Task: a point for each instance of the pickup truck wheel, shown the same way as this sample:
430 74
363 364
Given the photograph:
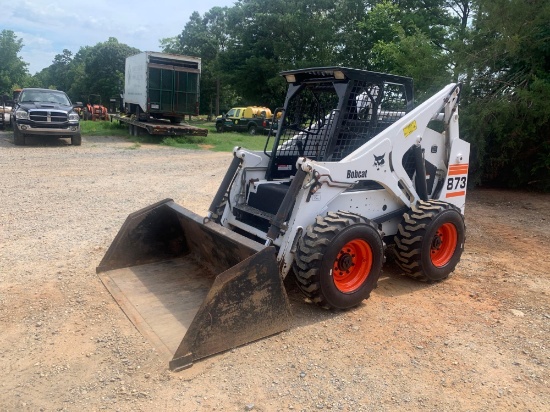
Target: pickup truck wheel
76 140
339 260
18 137
252 129
219 128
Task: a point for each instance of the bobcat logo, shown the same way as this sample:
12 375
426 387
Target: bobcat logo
379 161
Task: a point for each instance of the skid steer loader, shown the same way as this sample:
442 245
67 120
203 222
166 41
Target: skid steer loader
352 168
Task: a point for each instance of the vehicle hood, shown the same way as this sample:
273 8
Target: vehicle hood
44 106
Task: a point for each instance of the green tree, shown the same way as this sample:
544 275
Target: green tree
417 57
205 37
507 117
268 37
78 90
13 70
56 75
103 68
60 70
397 45
351 47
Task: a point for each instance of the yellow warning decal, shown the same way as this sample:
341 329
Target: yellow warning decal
411 127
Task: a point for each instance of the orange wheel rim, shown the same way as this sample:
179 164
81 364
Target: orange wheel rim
443 244
352 265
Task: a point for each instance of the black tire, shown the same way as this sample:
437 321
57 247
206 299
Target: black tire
220 128
139 114
18 137
76 140
335 244
176 120
252 130
430 240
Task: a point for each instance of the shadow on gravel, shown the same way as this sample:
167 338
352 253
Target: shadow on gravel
391 283
6 140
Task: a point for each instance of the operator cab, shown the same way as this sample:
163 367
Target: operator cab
331 112
328 114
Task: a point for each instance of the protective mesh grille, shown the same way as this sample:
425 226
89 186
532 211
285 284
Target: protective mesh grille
370 109
308 124
313 127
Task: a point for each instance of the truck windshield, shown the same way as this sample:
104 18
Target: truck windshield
46 96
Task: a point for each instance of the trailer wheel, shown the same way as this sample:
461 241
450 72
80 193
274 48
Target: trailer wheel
220 128
252 129
18 137
430 240
339 260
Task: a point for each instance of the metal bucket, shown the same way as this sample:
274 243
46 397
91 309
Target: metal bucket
193 288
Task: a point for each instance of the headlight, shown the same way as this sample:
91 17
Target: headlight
74 117
21 114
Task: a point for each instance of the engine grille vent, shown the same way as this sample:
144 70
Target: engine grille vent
48 116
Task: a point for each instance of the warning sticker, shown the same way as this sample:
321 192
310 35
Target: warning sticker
411 127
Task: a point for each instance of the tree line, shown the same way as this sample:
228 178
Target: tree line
498 49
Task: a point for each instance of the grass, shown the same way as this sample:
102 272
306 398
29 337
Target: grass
218 142
99 128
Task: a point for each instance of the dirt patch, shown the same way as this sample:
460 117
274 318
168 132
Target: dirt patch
476 342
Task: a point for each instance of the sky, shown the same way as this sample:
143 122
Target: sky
47 27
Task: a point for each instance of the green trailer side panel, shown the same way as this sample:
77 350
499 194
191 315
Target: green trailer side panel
173 91
187 96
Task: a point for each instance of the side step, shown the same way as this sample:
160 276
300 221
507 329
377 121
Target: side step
254 217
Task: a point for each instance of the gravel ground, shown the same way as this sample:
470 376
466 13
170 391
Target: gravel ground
476 342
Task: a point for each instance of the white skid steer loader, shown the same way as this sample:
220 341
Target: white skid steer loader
352 167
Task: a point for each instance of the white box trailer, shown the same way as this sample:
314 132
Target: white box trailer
162 86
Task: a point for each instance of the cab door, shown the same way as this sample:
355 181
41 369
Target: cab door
240 125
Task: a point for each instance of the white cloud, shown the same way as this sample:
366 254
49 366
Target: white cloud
47 27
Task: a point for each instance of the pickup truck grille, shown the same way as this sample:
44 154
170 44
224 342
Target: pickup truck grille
48 116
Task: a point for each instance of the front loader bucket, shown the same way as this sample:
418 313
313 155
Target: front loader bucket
193 288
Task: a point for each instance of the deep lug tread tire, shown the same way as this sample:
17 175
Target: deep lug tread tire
318 254
415 251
